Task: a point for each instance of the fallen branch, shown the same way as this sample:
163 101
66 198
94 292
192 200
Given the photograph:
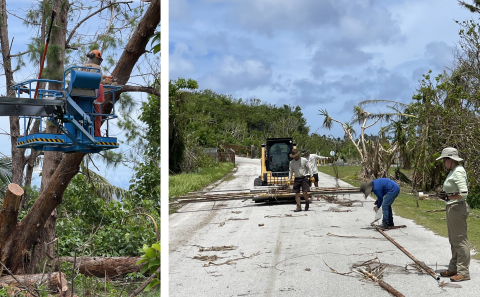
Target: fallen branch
436 210
419 263
382 284
336 272
231 261
56 281
367 237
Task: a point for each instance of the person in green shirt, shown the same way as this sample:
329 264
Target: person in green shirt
455 191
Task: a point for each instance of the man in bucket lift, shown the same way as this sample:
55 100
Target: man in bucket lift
95 59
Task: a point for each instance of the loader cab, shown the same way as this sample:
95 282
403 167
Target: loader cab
275 161
277 155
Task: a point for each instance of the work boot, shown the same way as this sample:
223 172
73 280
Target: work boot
307 204
458 278
447 273
299 208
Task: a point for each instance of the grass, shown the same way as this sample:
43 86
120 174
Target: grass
406 206
181 184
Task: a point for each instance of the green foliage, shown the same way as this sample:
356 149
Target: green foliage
83 212
5 175
151 260
156 38
177 93
473 198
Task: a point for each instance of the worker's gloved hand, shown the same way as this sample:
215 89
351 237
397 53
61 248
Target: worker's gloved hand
312 179
375 208
288 183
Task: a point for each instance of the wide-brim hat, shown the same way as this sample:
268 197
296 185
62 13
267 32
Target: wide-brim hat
450 152
366 188
295 153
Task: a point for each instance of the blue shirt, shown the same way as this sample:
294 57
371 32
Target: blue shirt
382 186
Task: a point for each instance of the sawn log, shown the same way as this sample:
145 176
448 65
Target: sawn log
101 266
56 281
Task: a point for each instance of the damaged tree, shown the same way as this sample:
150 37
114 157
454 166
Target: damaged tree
23 244
376 160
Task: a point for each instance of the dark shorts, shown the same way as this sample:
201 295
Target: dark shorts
301 182
316 177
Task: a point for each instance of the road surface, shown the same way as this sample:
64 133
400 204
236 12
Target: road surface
235 248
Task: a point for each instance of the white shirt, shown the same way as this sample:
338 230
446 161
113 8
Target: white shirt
312 162
300 168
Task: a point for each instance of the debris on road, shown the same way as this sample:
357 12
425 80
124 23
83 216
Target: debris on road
216 248
382 284
427 269
365 237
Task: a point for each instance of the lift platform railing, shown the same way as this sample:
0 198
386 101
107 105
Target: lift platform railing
71 109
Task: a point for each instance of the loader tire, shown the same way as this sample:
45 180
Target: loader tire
258 182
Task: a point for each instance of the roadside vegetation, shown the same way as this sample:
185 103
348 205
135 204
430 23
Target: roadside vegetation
183 183
429 213
443 111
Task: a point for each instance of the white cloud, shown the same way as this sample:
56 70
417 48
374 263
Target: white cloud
234 74
180 63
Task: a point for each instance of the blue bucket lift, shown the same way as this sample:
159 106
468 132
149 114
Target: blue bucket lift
71 110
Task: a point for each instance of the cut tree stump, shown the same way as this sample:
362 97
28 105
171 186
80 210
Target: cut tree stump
101 266
56 281
9 210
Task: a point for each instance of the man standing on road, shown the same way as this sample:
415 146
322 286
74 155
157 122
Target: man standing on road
386 191
312 163
303 174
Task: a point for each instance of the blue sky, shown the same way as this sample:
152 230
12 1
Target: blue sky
317 54
21 36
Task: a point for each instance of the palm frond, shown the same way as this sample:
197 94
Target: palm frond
102 187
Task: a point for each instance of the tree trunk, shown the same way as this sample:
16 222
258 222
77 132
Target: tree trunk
56 281
18 155
15 249
51 160
101 266
9 210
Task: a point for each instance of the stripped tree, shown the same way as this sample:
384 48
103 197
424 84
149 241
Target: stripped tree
376 160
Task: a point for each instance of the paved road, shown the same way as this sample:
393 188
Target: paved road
287 256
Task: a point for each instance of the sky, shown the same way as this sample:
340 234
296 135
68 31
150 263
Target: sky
317 54
21 36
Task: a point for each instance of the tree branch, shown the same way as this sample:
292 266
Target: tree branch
19 54
145 283
36 24
94 13
149 90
